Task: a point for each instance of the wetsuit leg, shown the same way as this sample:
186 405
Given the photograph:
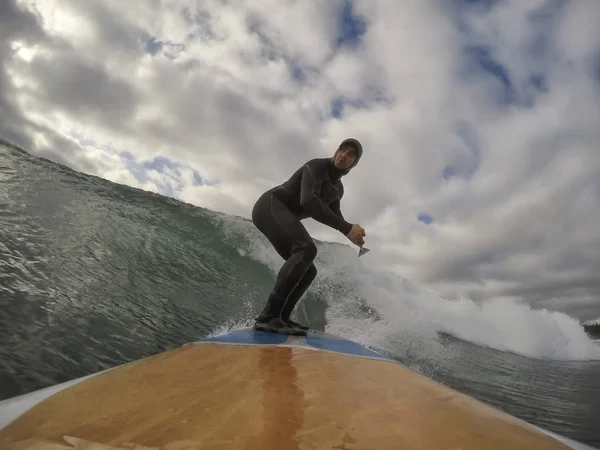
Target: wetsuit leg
296 295
293 243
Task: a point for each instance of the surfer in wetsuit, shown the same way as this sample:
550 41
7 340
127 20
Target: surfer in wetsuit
314 190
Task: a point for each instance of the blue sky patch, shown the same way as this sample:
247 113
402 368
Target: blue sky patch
137 170
425 218
369 98
507 87
351 27
449 172
153 46
198 181
337 106
480 61
296 72
339 103
161 164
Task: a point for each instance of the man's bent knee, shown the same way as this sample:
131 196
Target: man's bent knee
309 251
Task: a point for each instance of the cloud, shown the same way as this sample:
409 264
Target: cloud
479 120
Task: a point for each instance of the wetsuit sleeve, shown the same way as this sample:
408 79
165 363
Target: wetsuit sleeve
336 208
336 205
310 199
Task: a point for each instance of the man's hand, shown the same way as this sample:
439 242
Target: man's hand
356 235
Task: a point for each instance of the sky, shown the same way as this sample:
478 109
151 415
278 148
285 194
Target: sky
480 121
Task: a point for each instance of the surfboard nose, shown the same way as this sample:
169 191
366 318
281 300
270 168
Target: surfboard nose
257 390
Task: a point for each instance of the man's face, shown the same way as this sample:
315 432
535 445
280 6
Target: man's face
345 158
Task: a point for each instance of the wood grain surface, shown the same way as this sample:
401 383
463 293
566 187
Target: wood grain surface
215 396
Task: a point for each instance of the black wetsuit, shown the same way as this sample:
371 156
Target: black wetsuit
315 191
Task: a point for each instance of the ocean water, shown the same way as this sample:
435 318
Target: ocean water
94 274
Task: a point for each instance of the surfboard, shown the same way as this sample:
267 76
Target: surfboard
249 389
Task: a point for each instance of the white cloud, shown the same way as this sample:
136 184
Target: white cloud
506 98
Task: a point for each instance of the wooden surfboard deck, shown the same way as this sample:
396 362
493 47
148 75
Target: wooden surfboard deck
253 390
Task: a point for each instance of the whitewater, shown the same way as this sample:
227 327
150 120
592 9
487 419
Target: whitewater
410 314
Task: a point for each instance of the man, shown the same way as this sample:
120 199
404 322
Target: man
314 190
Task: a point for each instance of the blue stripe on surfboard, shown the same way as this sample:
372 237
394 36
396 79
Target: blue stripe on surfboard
314 339
341 346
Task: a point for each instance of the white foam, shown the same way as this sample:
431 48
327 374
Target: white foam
593 322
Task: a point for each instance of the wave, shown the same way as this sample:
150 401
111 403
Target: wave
368 303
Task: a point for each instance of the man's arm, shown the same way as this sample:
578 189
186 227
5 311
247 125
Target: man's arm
310 199
336 205
336 208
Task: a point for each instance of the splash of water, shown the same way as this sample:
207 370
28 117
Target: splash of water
412 317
